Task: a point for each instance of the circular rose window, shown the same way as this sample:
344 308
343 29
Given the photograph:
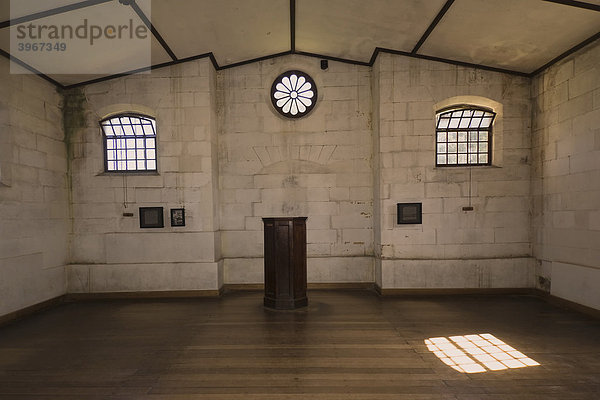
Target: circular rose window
293 94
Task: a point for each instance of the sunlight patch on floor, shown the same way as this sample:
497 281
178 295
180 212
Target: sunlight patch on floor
477 353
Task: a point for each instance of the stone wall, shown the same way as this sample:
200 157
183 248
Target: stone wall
229 159
109 250
566 149
317 166
34 209
488 247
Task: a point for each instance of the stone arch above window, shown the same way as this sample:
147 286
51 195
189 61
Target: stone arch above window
129 143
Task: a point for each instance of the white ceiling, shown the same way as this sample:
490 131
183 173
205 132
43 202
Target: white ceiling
352 29
234 30
514 35
520 35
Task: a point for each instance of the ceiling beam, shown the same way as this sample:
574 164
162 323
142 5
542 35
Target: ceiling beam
270 56
331 58
144 69
154 31
453 62
374 56
217 67
213 60
39 15
30 68
293 26
432 26
54 11
578 4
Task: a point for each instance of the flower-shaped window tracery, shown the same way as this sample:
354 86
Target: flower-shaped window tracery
293 94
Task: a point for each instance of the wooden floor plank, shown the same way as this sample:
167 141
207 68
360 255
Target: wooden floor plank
345 345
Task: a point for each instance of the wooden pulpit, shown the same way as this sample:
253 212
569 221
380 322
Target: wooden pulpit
285 262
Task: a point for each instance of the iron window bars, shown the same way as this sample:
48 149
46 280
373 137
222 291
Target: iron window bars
463 136
129 143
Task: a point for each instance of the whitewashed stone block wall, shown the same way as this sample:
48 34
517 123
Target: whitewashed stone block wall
371 134
452 248
566 148
34 208
317 166
229 159
109 251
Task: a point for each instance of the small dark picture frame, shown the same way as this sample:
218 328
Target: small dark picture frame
410 213
151 217
177 216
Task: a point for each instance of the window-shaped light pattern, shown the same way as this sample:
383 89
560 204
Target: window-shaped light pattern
293 94
477 353
463 137
129 143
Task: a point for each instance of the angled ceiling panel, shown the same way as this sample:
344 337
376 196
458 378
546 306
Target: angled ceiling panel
521 35
21 8
234 30
352 29
159 56
513 35
83 61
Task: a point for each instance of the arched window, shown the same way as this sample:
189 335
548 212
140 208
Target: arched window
129 143
464 136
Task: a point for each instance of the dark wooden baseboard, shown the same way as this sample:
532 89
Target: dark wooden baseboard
44 305
311 286
154 294
243 287
343 285
254 287
557 301
454 291
178 294
568 304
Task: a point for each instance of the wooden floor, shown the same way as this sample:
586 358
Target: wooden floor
345 345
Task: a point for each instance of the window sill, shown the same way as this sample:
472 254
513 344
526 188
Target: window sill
468 167
129 173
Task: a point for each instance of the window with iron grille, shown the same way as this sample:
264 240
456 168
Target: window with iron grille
129 143
464 136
